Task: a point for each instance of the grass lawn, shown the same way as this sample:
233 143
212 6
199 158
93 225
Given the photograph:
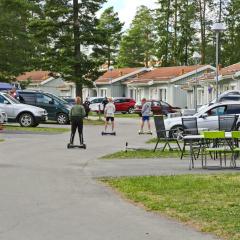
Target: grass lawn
127 115
1 140
210 203
36 129
93 122
132 154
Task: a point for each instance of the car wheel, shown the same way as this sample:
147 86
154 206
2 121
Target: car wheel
176 132
131 110
26 120
124 112
62 119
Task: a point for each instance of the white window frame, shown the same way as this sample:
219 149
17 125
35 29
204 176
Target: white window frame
100 92
153 93
141 96
200 96
134 93
165 98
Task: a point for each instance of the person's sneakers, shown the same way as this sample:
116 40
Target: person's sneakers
149 132
140 131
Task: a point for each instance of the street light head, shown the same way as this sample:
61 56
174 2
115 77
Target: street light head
110 68
219 27
196 56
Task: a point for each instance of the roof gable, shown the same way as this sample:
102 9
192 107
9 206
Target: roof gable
35 76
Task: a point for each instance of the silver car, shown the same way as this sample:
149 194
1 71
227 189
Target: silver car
25 115
3 117
207 118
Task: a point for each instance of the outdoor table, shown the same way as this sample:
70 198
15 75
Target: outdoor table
192 138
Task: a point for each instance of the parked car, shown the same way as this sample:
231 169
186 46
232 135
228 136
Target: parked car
157 107
57 108
96 102
69 100
231 95
124 105
206 119
3 117
25 115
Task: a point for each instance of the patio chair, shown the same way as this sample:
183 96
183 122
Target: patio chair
163 134
215 148
227 123
190 127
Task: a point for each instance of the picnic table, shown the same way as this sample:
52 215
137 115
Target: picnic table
193 138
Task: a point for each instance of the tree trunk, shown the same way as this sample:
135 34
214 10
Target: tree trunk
77 51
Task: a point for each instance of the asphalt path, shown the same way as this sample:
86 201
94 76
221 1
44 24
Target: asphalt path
51 193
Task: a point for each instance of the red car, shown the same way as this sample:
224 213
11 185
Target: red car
158 108
124 105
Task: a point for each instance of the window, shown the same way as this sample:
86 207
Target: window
43 99
200 96
103 92
165 104
163 94
27 98
233 109
221 110
97 100
155 104
2 99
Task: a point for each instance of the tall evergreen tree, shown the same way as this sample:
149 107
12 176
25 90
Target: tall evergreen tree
16 46
138 45
232 35
110 29
66 29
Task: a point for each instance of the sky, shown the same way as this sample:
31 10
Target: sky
127 8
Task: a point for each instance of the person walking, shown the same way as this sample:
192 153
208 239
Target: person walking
109 113
146 111
76 115
87 106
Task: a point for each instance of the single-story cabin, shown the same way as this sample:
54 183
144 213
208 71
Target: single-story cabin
229 79
164 83
48 82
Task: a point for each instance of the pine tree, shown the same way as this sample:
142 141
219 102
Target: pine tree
110 30
65 30
137 46
16 46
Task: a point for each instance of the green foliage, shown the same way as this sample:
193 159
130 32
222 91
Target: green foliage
65 30
16 45
110 33
137 47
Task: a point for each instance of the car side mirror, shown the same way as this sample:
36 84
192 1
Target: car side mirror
204 115
51 102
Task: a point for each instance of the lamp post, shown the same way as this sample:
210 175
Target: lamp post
111 69
196 56
217 28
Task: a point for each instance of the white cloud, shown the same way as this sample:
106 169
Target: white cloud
127 8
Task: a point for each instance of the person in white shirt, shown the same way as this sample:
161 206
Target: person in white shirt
109 113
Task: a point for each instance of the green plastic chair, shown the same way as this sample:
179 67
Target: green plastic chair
217 149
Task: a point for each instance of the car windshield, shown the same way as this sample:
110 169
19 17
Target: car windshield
11 99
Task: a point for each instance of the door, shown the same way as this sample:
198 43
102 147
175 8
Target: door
7 107
48 104
211 120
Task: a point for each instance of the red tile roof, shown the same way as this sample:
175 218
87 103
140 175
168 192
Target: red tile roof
166 73
34 76
116 73
229 70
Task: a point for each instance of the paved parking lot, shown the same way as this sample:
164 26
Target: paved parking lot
51 193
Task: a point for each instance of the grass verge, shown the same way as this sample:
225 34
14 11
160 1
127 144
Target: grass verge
35 129
1 140
209 203
92 122
132 154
